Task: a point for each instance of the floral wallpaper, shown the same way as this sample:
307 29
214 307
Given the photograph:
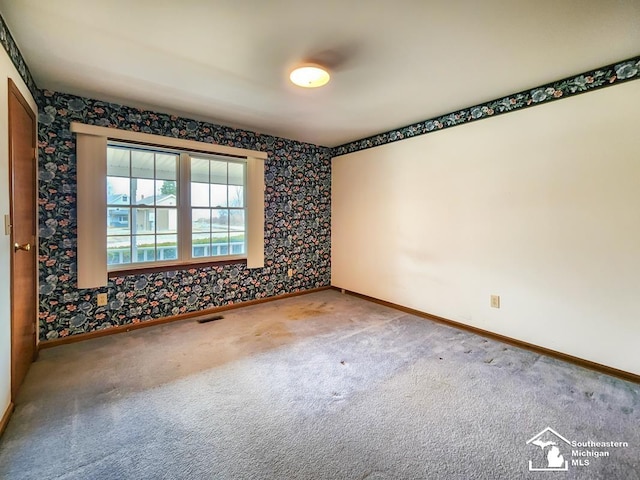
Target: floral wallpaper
297 224
9 44
588 81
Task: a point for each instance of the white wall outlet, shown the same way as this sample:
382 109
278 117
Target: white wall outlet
102 299
495 301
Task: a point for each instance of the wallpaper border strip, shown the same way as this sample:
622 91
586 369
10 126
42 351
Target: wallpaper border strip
16 57
602 77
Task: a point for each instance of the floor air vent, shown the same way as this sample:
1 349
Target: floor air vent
210 319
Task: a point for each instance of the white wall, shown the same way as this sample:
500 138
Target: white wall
7 70
539 206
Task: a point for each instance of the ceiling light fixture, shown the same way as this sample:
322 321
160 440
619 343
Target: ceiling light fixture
309 76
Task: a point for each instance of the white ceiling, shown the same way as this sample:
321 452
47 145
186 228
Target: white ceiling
393 62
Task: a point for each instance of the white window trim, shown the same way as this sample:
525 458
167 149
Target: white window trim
91 157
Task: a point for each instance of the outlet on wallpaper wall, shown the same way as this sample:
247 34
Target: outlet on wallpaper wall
102 299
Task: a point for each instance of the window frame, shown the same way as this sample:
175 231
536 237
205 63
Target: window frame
185 196
91 152
184 231
131 205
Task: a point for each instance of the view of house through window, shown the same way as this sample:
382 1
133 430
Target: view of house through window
144 213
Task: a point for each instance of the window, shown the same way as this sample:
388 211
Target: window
144 209
142 205
151 201
217 207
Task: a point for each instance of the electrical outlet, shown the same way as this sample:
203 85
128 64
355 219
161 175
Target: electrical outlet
495 301
102 299
290 272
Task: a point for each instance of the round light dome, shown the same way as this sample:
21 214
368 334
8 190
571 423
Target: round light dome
310 76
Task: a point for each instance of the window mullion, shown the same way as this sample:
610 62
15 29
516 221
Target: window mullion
184 207
133 216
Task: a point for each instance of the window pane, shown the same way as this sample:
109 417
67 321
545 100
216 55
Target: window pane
118 190
166 166
118 250
219 220
141 164
236 173
201 245
236 196
219 237
200 220
118 162
218 172
219 243
199 194
199 170
167 192
144 191
236 220
144 248
218 195
166 220
144 220
118 221
236 242
167 247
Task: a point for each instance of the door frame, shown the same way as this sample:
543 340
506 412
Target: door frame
14 91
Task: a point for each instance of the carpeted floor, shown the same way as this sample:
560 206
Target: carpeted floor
321 386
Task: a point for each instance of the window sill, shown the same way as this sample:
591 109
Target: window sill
139 270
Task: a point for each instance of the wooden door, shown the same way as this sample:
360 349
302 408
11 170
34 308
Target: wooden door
22 191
